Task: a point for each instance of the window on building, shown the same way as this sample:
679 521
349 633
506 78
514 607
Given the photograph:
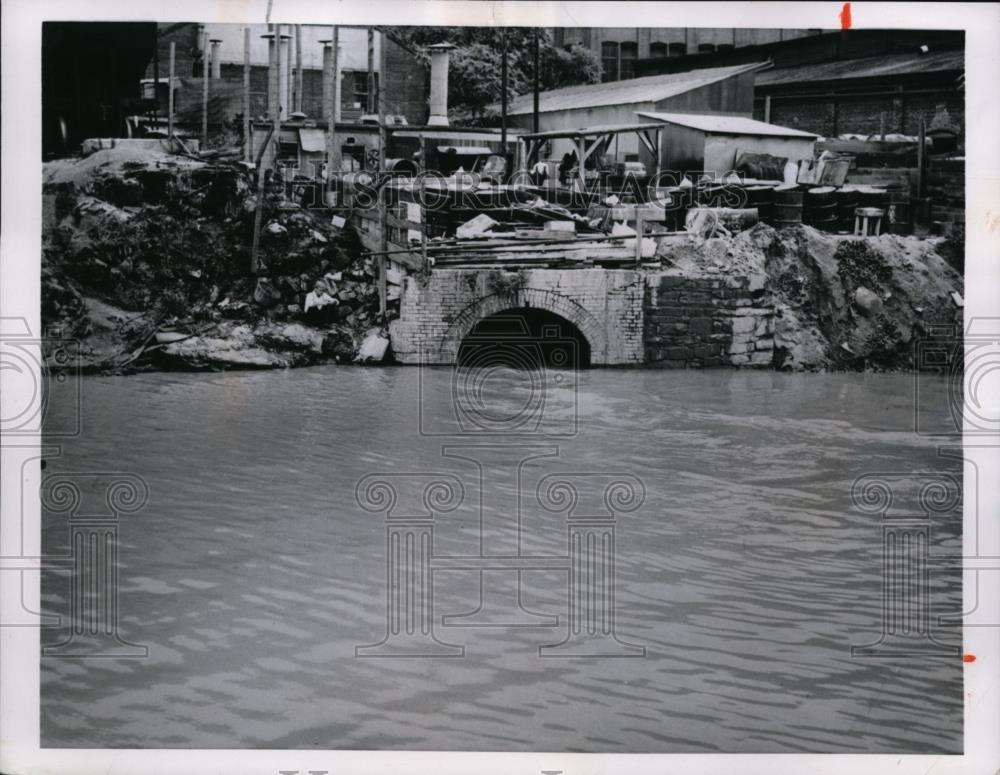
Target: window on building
288 152
677 49
657 50
706 48
725 47
609 61
629 53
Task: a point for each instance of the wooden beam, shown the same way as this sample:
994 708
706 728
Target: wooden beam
170 91
204 89
646 141
247 136
382 139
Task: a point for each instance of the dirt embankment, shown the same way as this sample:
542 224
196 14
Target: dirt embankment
840 302
146 263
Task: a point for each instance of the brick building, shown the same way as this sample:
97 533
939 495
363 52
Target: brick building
853 82
406 91
621 47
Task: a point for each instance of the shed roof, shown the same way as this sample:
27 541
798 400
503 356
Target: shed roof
866 67
650 88
591 131
727 125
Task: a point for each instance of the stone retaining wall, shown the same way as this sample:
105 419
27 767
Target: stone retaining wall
706 321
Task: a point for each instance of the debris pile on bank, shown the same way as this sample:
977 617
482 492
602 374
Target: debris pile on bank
147 257
840 302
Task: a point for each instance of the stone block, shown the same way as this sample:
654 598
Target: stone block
764 344
743 325
700 326
672 281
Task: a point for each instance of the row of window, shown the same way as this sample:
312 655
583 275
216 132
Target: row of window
618 59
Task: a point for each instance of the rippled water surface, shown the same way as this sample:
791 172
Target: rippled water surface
252 574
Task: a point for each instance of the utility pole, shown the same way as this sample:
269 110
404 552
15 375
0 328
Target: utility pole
204 90
383 237
503 93
298 67
247 148
170 92
371 70
156 78
535 87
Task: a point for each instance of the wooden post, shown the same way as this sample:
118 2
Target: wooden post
638 233
921 166
247 137
383 237
170 91
204 90
371 71
156 79
298 68
534 89
336 77
503 95
767 109
290 75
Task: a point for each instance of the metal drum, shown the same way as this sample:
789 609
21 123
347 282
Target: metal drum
870 196
848 199
761 197
819 208
787 205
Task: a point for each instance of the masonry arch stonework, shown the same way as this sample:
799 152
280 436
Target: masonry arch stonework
538 298
439 310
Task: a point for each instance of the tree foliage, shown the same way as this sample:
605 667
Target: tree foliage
474 72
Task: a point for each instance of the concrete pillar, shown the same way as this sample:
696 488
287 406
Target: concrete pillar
272 84
216 59
327 80
284 77
439 84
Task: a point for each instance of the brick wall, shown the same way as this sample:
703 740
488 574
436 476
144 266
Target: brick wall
860 114
407 84
695 322
661 319
438 311
946 189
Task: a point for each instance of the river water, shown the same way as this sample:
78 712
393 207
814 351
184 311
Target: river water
746 575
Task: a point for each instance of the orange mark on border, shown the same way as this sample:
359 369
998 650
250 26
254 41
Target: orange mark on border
968 657
845 17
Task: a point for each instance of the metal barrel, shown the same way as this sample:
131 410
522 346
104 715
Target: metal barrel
787 205
848 199
819 208
761 197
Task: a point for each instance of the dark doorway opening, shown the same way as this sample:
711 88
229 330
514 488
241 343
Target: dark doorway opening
525 338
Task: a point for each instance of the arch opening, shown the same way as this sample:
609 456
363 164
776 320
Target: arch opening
525 338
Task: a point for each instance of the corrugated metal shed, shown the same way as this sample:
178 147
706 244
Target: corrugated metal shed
652 88
727 125
867 67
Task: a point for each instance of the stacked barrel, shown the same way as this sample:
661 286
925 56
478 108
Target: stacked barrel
819 208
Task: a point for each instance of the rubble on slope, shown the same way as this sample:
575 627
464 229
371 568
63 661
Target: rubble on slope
841 302
146 262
